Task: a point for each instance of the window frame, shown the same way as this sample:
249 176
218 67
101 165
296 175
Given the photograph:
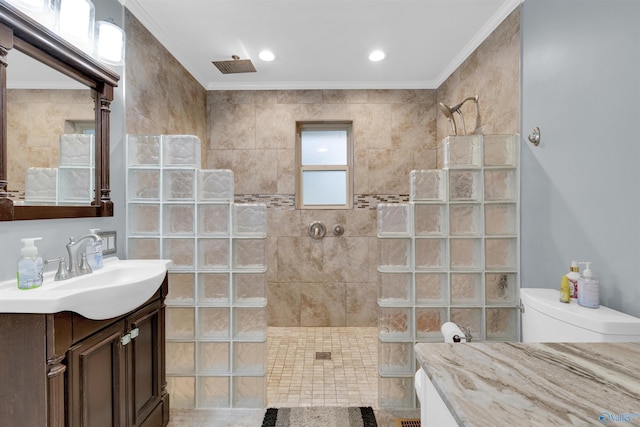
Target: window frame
348 168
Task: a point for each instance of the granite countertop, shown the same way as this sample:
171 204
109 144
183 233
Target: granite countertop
536 384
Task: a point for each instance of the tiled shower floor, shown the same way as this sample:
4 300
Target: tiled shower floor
296 378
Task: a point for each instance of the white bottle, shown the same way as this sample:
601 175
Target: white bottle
589 295
30 266
573 275
94 252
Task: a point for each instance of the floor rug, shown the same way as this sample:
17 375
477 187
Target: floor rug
319 417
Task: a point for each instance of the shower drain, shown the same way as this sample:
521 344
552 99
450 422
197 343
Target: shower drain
323 355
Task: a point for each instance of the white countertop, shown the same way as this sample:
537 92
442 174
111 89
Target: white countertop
536 384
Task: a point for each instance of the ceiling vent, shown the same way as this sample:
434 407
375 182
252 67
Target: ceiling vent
236 65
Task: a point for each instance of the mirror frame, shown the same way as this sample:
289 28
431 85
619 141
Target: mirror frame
18 31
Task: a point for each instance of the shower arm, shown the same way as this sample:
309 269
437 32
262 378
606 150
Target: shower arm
456 108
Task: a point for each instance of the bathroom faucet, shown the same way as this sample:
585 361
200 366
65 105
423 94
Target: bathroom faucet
72 248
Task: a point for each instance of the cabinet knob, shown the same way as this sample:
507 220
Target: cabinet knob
126 339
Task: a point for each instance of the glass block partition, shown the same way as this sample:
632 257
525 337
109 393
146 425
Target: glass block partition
450 254
216 324
71 183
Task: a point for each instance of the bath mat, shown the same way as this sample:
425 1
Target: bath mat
320 417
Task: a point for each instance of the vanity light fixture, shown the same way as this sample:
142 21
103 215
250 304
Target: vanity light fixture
43 11
377 55
76 21
110 42
266 55
34 5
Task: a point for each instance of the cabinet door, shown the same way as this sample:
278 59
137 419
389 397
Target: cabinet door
145 362
96 389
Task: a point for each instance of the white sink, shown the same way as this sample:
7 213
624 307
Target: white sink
117 288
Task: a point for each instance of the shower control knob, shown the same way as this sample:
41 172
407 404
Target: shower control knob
338 230
317 230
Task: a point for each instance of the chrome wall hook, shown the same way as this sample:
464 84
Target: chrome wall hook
534 138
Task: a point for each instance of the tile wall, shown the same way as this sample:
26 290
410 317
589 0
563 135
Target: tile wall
161 96
331 282
492 72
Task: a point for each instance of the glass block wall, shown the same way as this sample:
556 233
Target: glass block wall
450 254
71 183
216 325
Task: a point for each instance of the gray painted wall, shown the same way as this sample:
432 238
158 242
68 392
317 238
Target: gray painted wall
581 186
56 232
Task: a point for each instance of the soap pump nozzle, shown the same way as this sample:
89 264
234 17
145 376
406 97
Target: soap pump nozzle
29 248
574 266
587 270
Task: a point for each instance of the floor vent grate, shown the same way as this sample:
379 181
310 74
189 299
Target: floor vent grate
323 355
408 422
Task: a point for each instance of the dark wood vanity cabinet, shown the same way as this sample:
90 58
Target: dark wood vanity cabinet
65 370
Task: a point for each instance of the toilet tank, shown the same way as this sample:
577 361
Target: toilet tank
546 319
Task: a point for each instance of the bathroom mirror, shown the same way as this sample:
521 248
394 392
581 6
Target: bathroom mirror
50 135
21 35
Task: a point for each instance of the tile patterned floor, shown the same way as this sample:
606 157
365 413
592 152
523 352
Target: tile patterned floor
295 378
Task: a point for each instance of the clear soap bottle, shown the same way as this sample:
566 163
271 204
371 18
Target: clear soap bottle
589 295
29 274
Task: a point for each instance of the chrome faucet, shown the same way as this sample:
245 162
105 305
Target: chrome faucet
73 246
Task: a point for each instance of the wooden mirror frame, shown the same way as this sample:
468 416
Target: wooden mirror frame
17 31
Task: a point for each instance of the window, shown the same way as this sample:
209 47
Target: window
324 159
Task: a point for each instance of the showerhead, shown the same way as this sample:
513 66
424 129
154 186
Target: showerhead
236 65
448 112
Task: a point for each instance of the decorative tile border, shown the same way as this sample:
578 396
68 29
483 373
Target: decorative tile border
288 201
273 201
371 201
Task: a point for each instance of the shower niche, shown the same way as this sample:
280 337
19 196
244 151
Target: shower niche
449 254
216 323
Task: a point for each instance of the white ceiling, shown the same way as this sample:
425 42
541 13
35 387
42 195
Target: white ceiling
322 44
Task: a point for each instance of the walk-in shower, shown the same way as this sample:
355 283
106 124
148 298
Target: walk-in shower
448 112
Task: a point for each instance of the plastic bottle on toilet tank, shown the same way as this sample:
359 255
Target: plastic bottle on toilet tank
564 290
573 275
589 295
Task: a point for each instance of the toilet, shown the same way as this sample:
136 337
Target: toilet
546 319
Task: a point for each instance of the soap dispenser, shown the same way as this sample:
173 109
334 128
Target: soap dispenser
30 267
94 252
589 295
573 275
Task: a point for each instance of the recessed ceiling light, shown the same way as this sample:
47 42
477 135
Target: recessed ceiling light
266 55
377 55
